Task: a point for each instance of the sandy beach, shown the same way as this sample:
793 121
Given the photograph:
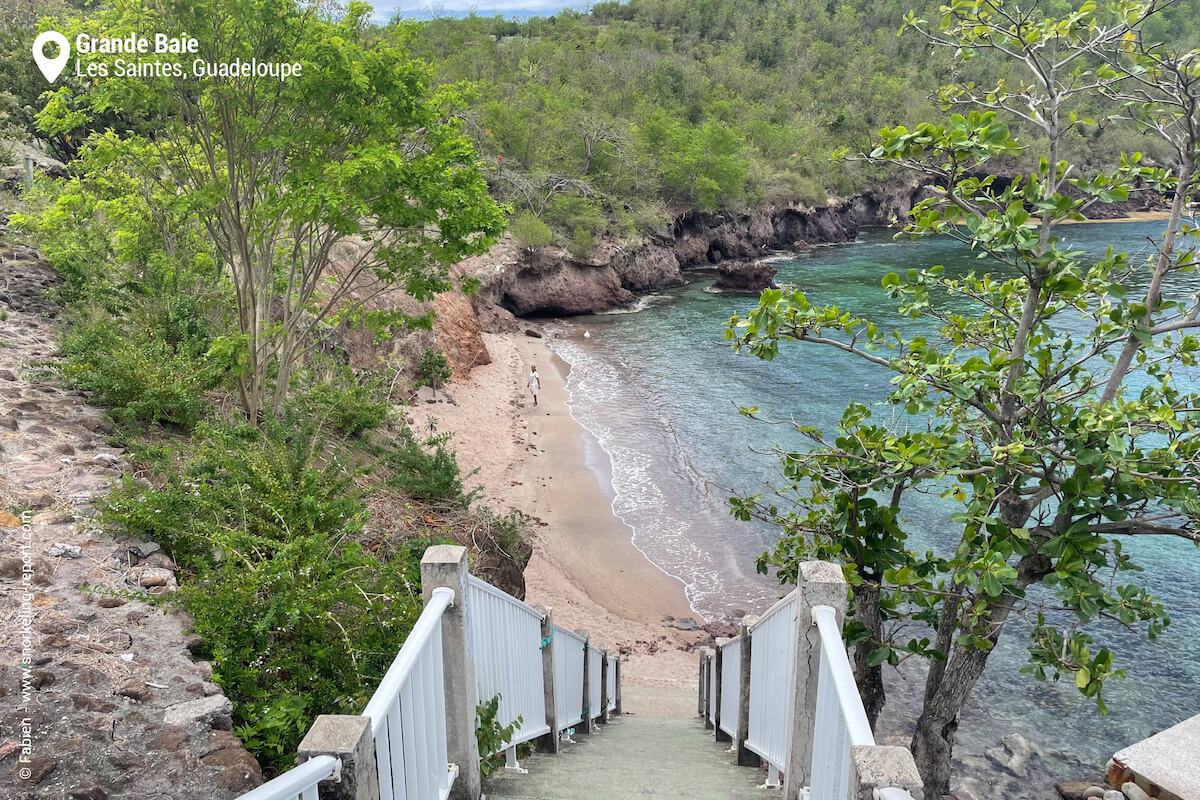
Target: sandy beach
538 460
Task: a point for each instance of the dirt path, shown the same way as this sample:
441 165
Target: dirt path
100 693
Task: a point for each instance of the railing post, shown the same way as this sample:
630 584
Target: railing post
874 768
819 584
348 738
703 683
588 725
745 758
549 742
604 668
617 684
28 173
719 666
709 694
446 565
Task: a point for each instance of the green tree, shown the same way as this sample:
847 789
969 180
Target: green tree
313 208
1046 401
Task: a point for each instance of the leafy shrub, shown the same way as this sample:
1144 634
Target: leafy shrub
433 368
425 469
297 618
573 211
644 217
491 736
529 231
582 242
152 368
344 403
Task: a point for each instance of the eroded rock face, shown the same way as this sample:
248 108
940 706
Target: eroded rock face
456 329
750 278
549 282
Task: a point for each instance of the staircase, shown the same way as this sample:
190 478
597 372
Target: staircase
635 756
777 715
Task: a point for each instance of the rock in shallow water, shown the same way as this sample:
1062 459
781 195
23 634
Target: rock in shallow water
752 277
1078 790
1134 792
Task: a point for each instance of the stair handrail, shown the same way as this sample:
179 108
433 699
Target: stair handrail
569 658
773 646
412 696
841 721
730 656
300 782
797 700
415 740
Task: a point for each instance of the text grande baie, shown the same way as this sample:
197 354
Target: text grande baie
161 44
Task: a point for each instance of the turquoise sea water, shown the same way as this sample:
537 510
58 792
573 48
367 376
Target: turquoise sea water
659 390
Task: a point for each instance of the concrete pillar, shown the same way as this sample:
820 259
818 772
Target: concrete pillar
589 723
875 768
819 584
348 738
549 742
28 173
446 565
719 666
604 668
617 708
745 758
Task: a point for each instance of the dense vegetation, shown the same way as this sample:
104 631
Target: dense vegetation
295 502
613 119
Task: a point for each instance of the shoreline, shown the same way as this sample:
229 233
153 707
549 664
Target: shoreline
539 460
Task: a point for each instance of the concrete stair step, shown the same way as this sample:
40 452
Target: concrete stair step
635 756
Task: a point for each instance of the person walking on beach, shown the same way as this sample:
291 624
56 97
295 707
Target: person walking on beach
535 383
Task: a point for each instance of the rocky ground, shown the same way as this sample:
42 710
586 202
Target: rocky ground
111 702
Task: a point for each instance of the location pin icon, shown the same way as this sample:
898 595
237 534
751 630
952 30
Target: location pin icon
51 67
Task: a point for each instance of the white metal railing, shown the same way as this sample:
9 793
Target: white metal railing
731 685
299 783
797 656
408 713
611 684
772 660
506 648
568 677
595 699
841 721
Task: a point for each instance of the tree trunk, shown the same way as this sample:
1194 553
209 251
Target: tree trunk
933 742
869 678
947 690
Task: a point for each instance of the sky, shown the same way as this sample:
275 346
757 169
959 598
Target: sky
423 9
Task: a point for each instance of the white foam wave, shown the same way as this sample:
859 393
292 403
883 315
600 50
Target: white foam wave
671 531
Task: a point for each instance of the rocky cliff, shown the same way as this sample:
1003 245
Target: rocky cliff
548 281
